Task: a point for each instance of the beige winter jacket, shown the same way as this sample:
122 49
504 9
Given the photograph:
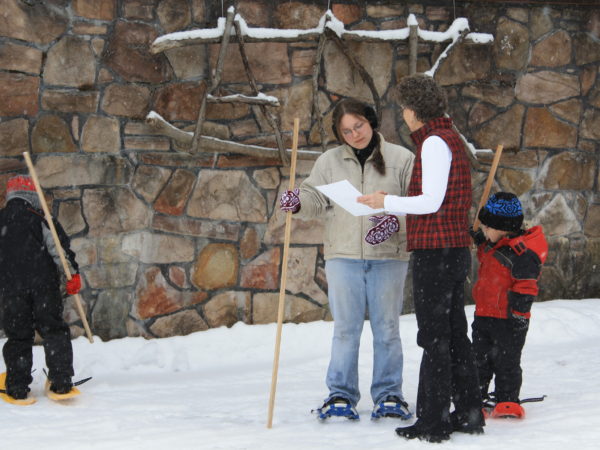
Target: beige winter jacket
344 233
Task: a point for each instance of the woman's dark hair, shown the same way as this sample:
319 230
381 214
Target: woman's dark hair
423 95
358 108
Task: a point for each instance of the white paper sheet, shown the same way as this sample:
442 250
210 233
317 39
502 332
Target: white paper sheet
345 195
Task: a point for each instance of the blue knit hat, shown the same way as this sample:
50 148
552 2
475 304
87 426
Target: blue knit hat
502 212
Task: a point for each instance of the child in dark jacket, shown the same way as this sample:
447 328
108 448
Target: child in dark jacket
30 291
510 262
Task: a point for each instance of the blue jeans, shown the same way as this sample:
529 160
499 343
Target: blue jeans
355 286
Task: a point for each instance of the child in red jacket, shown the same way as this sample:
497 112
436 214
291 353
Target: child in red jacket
510 262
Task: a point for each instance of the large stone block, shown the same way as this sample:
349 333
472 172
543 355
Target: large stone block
18 94
552 51
51 134
188 62
511 45
20 58
148 181
128 54
297 15
591 226
198 228
178 324
587 49
69 101
505 129
227 308
14 137
571 171
256 13
110 314
155 297
70 62
174 197
345 81
157 248
174 14
114 210
130 100
106 276
268 61
216 267
542 129
297 309
546 87
227 195
263 271
557 218
37 22
95 9
498 95
590 125
465 62
101 134
70 217
301 274
179 101
79 170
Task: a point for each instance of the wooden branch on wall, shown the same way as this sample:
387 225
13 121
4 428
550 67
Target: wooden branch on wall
265 101
215 145
315 90
413 45
268 115
216 80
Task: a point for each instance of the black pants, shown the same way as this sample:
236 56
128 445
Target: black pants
448 372
498 345
24 312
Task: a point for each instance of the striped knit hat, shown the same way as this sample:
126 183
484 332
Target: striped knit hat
502 212
21 186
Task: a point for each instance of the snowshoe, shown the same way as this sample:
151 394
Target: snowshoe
392 406
508 410
337 407
20 398
62 391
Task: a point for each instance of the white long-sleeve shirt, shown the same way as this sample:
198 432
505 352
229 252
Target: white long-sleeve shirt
436 158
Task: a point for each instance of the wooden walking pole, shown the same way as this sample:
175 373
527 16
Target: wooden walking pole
59 248
284 264
488 185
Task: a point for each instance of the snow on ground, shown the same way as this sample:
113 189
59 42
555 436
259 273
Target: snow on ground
210 390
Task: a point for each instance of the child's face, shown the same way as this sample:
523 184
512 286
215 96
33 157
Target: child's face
493 235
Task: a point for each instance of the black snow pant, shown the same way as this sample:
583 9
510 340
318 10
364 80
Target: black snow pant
498 345
24 312
448 372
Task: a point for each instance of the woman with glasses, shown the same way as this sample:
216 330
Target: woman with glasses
363 278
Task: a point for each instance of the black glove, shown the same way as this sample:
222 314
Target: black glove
518 321
478 236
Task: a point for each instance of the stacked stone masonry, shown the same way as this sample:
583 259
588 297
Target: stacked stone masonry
171 243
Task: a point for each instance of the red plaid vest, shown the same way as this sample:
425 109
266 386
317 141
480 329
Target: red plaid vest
449 226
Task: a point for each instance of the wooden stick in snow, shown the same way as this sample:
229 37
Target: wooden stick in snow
284 264
59 248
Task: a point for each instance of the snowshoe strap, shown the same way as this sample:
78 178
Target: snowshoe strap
533 399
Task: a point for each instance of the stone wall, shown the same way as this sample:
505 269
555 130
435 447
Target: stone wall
171 243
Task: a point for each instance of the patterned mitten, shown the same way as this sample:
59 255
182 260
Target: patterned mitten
290 201
381 232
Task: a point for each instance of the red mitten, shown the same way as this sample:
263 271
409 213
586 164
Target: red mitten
74 284
381 232
290 201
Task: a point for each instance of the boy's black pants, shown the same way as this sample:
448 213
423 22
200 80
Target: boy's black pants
38 309
498 345
448 372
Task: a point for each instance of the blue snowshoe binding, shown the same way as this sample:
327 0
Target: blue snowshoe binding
391 406
337 407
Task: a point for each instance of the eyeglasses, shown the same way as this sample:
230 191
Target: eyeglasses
356 128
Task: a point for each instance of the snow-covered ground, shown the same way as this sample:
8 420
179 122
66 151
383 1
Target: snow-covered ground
210 390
